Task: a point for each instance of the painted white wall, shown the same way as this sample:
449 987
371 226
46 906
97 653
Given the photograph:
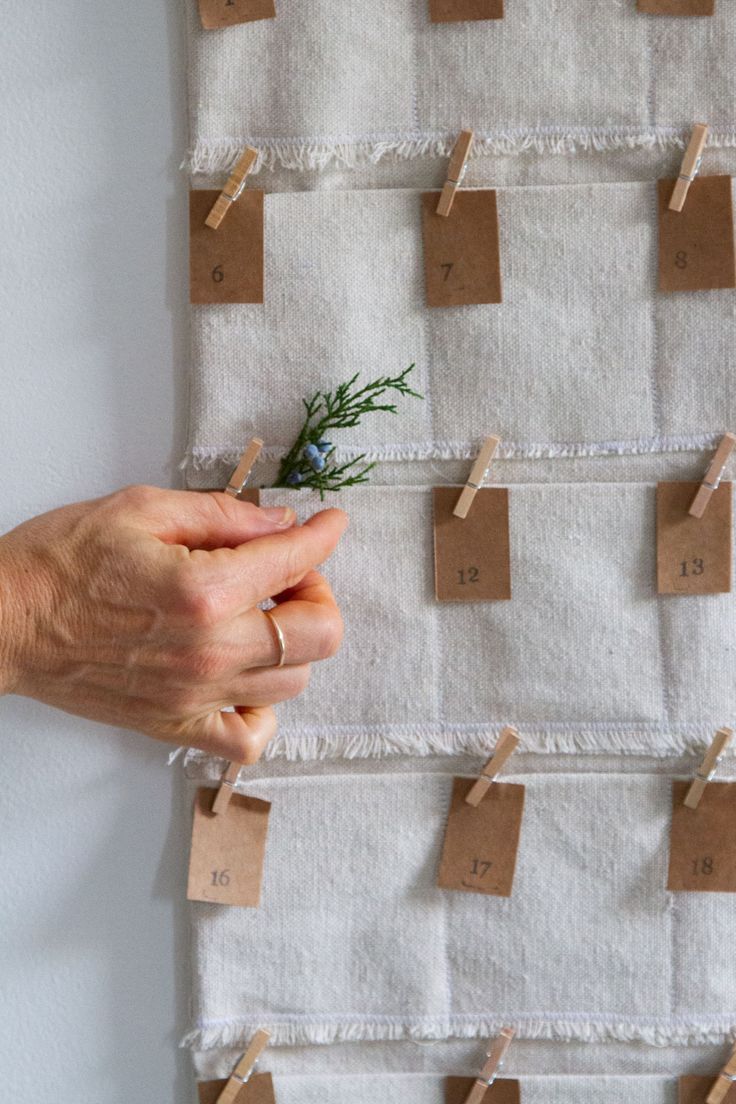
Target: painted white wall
93 273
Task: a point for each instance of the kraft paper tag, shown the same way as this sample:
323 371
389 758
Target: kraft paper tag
472 558
452 11
503 1091
703 840
677 7
258 1090
226 265
226 13
462 265
695 1090
693 554
696 244
479 852
228 849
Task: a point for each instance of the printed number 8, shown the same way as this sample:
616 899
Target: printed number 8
681 259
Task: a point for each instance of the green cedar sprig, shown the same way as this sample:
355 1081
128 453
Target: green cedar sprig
310 460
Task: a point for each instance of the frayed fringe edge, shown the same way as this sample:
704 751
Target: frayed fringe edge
204 457
291 153
386 741
388 1029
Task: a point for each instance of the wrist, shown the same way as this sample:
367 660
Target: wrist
11 624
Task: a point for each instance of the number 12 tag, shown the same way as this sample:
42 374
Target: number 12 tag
228 850
226 265
481 841
472 560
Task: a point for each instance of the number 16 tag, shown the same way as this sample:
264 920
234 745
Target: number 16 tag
226 265
228 850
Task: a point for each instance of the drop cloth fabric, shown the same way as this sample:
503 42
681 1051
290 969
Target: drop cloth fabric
585 656
354 941
553 369
351 82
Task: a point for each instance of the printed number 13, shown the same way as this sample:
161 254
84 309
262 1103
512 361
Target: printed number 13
692 567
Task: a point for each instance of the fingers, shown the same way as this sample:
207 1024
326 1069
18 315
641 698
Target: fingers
267 685
241 736
245 576
202 520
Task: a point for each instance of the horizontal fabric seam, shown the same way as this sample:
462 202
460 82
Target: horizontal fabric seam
385 740
291 1029
201 457
352 150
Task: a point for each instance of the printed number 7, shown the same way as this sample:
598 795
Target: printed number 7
448 266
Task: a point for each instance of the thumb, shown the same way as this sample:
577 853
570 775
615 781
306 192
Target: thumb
207 520
240 737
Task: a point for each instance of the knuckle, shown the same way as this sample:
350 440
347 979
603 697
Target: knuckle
137 496
192 600
329 634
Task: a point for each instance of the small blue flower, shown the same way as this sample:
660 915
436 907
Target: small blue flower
310 452
294 478
318 463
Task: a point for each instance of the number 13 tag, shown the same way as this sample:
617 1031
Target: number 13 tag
693 554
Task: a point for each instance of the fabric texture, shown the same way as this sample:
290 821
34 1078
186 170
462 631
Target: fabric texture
588 74
585 656
551 369
354 941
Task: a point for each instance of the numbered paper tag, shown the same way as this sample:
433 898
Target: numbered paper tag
472 561
462 266
503 1091
452 11
695 1090
696 244
228 849
258 1090
226 265
479 853
226 13
677 7
693 554
703 840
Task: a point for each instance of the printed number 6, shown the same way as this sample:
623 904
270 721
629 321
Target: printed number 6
217 274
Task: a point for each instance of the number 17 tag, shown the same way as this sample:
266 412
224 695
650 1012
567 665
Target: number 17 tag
481 841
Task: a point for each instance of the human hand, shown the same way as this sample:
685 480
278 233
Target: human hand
140 610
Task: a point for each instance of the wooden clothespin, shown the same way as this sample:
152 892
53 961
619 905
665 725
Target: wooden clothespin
245 465
243 1072
713 476
476 477
455 172
507 744
708 767
690 166
724 1082
233 189
237 481
495 1059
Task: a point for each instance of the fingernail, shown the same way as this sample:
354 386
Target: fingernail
283 516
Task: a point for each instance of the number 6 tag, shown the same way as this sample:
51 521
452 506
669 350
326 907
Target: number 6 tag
226 265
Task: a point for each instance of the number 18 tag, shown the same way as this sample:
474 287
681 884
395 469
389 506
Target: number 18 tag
702 852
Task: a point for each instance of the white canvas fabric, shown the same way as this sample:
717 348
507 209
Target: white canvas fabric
424 1089
585 656
553 370
350 82
353 940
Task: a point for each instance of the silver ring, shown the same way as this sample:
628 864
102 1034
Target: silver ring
279 638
